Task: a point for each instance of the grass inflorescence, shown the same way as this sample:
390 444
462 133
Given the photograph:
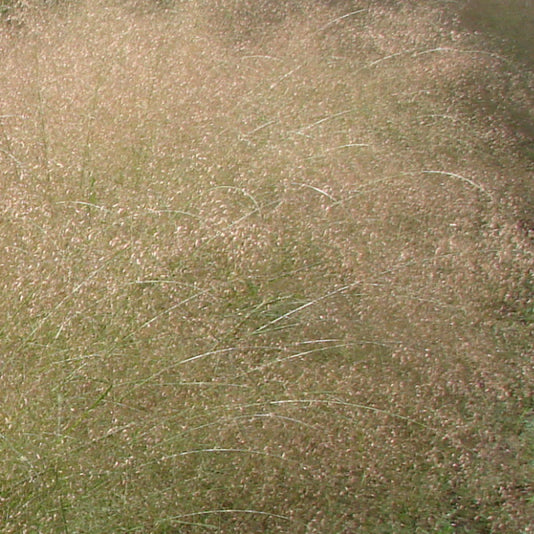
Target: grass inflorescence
266 267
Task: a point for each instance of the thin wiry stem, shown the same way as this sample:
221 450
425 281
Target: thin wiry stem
348 404
261 127
295 356
165 312
231 450
414 52
304 306
460 177
239 190
282 78
221 420
328 402
339 19
328 195
82 203
321 121
229 511
84 282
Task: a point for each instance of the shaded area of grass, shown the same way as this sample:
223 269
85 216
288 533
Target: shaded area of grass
512 22
262 279
508 28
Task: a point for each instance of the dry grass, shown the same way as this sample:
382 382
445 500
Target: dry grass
265 269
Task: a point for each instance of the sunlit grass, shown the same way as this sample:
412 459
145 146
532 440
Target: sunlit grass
266 267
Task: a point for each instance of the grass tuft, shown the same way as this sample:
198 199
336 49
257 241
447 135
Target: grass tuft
267 267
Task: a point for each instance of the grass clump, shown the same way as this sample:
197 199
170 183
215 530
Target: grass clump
263 276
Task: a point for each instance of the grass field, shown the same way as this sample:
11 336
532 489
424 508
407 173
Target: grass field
266 267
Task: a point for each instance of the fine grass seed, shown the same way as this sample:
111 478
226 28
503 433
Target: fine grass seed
266 267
